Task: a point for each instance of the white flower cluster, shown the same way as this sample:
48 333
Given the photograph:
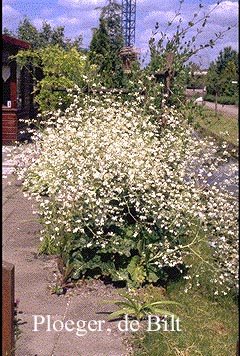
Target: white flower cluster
103 161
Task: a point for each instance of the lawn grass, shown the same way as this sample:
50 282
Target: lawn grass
221 126
209 328
209 323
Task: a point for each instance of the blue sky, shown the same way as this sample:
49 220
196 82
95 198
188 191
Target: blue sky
80 16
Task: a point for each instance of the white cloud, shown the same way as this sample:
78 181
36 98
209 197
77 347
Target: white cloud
47 11
10 16
161 17
72 21
80 16
81 4
144 6
149 12
81 23
38 22
9 11
8 2
227 11
83 20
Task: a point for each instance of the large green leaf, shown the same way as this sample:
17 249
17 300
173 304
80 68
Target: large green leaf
136 270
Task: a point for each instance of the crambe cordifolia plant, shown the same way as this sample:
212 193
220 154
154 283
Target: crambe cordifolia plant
123 193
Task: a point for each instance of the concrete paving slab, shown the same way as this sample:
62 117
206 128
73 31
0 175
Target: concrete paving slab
33 343
92 316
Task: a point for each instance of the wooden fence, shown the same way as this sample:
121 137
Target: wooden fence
7 309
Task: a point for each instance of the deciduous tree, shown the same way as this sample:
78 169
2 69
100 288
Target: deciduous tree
181 46
45 36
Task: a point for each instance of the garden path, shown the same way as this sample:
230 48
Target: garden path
231 110
34 278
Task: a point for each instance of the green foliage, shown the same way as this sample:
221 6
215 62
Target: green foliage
225 56
111 14
132 305
59 68
7 32
28 32
17 322
221 74
195 79
190 110
53 61
105 46
223 99
100 48
169 55
45 36
129 259
57 289
114 201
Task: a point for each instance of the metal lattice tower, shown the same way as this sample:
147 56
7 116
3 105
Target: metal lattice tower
129 21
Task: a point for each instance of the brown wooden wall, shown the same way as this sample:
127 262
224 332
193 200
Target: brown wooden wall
17 89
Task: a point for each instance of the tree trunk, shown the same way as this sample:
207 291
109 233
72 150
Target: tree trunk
216 103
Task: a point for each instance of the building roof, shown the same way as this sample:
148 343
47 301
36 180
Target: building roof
15 42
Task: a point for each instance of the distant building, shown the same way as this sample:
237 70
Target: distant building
200 73
17 86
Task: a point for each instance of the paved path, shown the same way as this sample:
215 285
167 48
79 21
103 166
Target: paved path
231 110
35 274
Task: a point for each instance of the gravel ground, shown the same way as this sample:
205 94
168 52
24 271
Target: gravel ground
231 110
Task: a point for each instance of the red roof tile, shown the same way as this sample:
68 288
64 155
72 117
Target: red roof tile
15 42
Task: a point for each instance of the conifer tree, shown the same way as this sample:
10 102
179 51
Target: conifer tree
106 44
222 72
